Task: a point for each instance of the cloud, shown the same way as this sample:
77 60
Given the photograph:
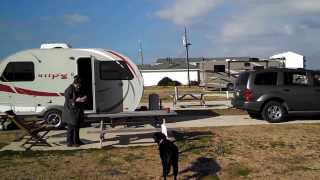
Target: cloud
184 11
269 18
75 19
250 27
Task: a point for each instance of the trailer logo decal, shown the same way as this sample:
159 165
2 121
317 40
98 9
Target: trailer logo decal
54 75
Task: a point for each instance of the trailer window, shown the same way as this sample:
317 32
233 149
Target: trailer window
18 71
114 70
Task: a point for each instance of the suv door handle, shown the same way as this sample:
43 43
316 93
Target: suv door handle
287 90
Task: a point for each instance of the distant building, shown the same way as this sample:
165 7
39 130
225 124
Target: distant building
217 72
291 59
175 70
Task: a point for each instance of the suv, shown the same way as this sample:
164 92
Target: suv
273 93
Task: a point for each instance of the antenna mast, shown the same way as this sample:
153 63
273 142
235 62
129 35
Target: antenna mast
186 44
141 52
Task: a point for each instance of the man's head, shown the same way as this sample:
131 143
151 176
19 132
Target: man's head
77 81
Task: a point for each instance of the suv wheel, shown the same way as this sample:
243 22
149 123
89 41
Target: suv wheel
273 112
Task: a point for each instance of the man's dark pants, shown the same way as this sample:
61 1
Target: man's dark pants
73 134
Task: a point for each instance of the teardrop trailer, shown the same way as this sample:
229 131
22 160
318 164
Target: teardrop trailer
33 81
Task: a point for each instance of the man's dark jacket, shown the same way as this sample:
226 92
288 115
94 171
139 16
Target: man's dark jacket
72 113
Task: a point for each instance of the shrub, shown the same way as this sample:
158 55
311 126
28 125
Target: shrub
194 83
168 82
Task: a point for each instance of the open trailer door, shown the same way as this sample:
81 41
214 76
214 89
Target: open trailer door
111 81
86 72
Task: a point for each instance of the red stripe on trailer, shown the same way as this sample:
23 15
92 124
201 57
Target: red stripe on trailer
35 93
6 88
125 60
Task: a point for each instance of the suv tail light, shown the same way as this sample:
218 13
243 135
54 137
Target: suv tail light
248 95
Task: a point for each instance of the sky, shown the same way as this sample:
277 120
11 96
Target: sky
216 28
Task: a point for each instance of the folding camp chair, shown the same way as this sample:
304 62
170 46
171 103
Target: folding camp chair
32 128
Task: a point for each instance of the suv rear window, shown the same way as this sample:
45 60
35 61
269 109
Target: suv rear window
295 78
242 79
266 78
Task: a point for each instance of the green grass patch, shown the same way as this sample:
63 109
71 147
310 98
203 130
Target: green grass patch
133 157
211 177
240 170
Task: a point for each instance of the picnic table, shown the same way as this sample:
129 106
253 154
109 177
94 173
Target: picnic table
194 96
105 118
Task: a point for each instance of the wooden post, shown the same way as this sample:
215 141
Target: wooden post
101 133
175 97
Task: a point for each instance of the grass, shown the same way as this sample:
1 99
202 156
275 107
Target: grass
288 151
8 136
166 93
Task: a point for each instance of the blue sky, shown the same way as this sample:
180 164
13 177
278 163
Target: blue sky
216 27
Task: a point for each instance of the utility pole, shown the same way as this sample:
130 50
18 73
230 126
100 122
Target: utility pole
186 44
141 52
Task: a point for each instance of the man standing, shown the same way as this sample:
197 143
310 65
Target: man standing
73 112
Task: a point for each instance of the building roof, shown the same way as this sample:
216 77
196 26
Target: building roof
175 65
281 55
168 60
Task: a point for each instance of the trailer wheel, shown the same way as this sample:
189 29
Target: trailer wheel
53 117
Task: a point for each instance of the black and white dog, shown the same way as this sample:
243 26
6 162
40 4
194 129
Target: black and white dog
169 154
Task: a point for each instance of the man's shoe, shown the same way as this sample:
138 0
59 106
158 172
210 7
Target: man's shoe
69 145
80 143
75 145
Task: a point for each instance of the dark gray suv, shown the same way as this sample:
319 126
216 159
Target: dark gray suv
273 93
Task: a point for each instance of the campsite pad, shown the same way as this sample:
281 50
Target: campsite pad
141 136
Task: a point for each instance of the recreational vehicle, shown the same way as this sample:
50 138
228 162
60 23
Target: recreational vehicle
34 80
221 74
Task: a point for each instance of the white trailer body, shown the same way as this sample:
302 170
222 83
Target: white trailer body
152 77
35 80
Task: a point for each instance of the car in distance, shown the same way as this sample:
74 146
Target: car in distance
273 93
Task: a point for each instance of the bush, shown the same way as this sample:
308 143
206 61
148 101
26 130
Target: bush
194 83
168 82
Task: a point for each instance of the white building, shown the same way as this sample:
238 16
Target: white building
152 77
291 59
